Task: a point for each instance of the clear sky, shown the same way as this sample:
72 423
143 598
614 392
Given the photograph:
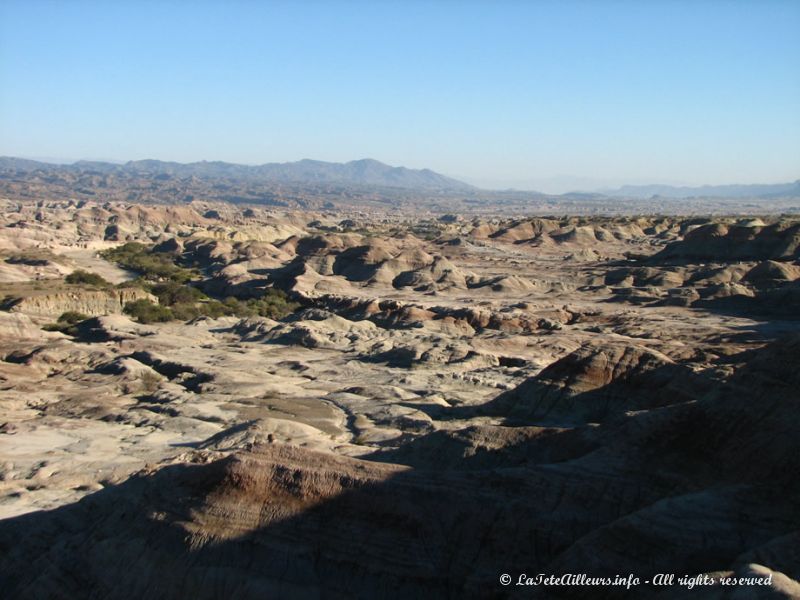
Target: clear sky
526 94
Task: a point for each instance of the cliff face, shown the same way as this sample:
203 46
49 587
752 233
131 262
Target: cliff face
89 302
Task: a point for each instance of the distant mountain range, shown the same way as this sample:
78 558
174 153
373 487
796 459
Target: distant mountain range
365 172
775 190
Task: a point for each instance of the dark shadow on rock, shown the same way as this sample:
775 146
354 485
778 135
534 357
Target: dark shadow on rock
591 385
482 447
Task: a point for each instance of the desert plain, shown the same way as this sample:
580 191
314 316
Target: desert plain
241 401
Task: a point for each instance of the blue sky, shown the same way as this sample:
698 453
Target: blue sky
510 94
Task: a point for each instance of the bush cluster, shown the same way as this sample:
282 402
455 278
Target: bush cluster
66 322
160 275
171 293
81 277
151 266
145 311
71 317
189 303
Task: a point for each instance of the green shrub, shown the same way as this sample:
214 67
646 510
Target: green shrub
274 304
185 311
138 282
183 302
66 323
81 277
145 311
215 309
71 317
153 266
129 248
170 293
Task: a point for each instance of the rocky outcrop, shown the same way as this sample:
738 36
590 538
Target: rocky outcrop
111 328
643 277
87 302
315 329
770 273
597 382
719 241
16 325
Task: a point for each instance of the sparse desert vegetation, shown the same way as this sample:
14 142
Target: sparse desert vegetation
149 264
81 277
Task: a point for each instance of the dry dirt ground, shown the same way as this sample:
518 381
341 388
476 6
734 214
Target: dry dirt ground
621 392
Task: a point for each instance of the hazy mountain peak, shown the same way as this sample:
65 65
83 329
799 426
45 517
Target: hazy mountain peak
709 191
365 171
